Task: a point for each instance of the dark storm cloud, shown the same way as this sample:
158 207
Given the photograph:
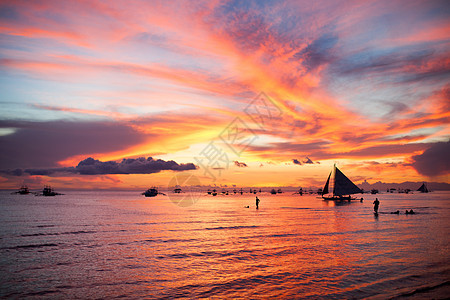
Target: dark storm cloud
140 165
91 166
433 161
42 144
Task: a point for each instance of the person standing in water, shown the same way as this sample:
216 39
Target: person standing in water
257 203
376 203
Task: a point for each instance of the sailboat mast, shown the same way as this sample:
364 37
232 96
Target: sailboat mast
334 179
325 188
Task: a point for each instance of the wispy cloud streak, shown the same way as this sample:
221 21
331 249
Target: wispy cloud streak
369 84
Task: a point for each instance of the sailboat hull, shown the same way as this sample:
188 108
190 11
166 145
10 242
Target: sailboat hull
338 198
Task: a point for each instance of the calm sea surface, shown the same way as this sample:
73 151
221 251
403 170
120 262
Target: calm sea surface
122 245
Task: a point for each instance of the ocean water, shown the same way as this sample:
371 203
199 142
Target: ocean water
97 244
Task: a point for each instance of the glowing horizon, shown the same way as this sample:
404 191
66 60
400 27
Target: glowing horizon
365 85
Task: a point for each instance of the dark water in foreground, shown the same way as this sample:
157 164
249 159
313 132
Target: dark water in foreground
120 244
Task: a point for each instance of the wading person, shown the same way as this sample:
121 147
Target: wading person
257 203
376 203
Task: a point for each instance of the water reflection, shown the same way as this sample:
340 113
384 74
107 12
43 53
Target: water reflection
218 248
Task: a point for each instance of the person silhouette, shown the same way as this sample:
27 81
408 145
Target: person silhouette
376 203
257 203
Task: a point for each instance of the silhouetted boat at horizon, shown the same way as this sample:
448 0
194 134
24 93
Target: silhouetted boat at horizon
423 188
48 191
22 191
151 192
343 187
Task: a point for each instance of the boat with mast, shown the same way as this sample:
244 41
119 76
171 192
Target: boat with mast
423 188
338 187
22 191
48 191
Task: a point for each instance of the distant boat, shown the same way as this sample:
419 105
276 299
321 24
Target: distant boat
48 191
342 187
152 192
279 191
374 191
22 191
423 188
177 190
273 191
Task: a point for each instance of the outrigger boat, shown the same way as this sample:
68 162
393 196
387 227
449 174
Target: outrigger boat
48 191
22 191
152 192
342 187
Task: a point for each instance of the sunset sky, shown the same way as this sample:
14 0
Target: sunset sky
251 93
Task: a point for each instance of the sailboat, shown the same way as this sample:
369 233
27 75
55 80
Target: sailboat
342 187
423 188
